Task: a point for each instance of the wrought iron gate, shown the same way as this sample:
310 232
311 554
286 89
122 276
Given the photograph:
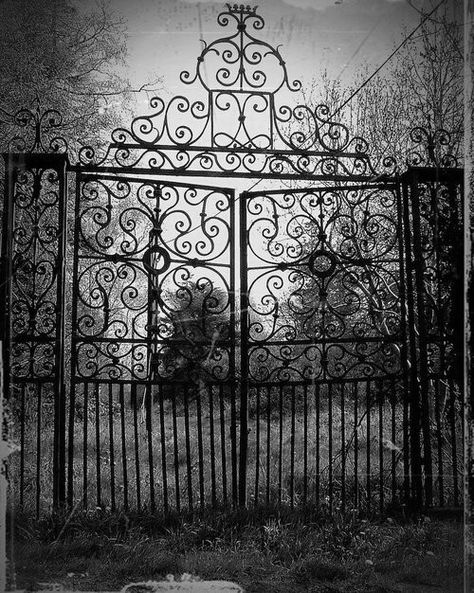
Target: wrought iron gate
326 343
153 337
170 344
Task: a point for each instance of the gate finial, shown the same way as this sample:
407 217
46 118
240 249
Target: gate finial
431 148
36 130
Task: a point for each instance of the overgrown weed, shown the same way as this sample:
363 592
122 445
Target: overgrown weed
258 548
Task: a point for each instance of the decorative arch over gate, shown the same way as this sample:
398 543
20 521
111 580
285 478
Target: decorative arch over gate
241 79
239 124
202 333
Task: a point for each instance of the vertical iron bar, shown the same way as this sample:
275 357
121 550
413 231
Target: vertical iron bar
223 447
368 452
111 449
317 404
257 444
212 446
22 445
452 418
97 443
292 447
381 468
70 468
189 466
305 441
407 452
124 449
439 442
200 447
38 450
85 454
149 430
136 444
343 450
175 442
267 460
280 444
244 350
330 443
356 445
233 445
441 323
164 472
393 402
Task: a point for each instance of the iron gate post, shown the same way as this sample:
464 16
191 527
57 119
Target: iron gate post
59 460
6 269
403 233
422 339
420 187
415 478
244 366
38 164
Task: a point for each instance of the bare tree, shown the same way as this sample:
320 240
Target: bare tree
69 58
421 87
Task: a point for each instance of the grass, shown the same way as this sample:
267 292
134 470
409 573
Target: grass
128 450
265 551
270 439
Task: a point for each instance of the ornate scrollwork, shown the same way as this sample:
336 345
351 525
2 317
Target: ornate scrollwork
439 256
324 300
36 130
241 61
34 281
154 279
431 149
237 122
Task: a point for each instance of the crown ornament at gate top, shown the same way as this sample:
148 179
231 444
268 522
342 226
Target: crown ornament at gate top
241 62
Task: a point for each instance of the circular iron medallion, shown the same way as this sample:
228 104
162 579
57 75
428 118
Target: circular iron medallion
322 263
156 260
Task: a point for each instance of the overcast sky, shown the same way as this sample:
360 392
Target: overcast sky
314 34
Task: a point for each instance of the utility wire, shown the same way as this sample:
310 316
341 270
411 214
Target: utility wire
357 50
387 60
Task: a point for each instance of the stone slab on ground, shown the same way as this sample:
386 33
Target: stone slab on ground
186 586
192 586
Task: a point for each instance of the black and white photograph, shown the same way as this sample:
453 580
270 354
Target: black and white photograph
235 296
